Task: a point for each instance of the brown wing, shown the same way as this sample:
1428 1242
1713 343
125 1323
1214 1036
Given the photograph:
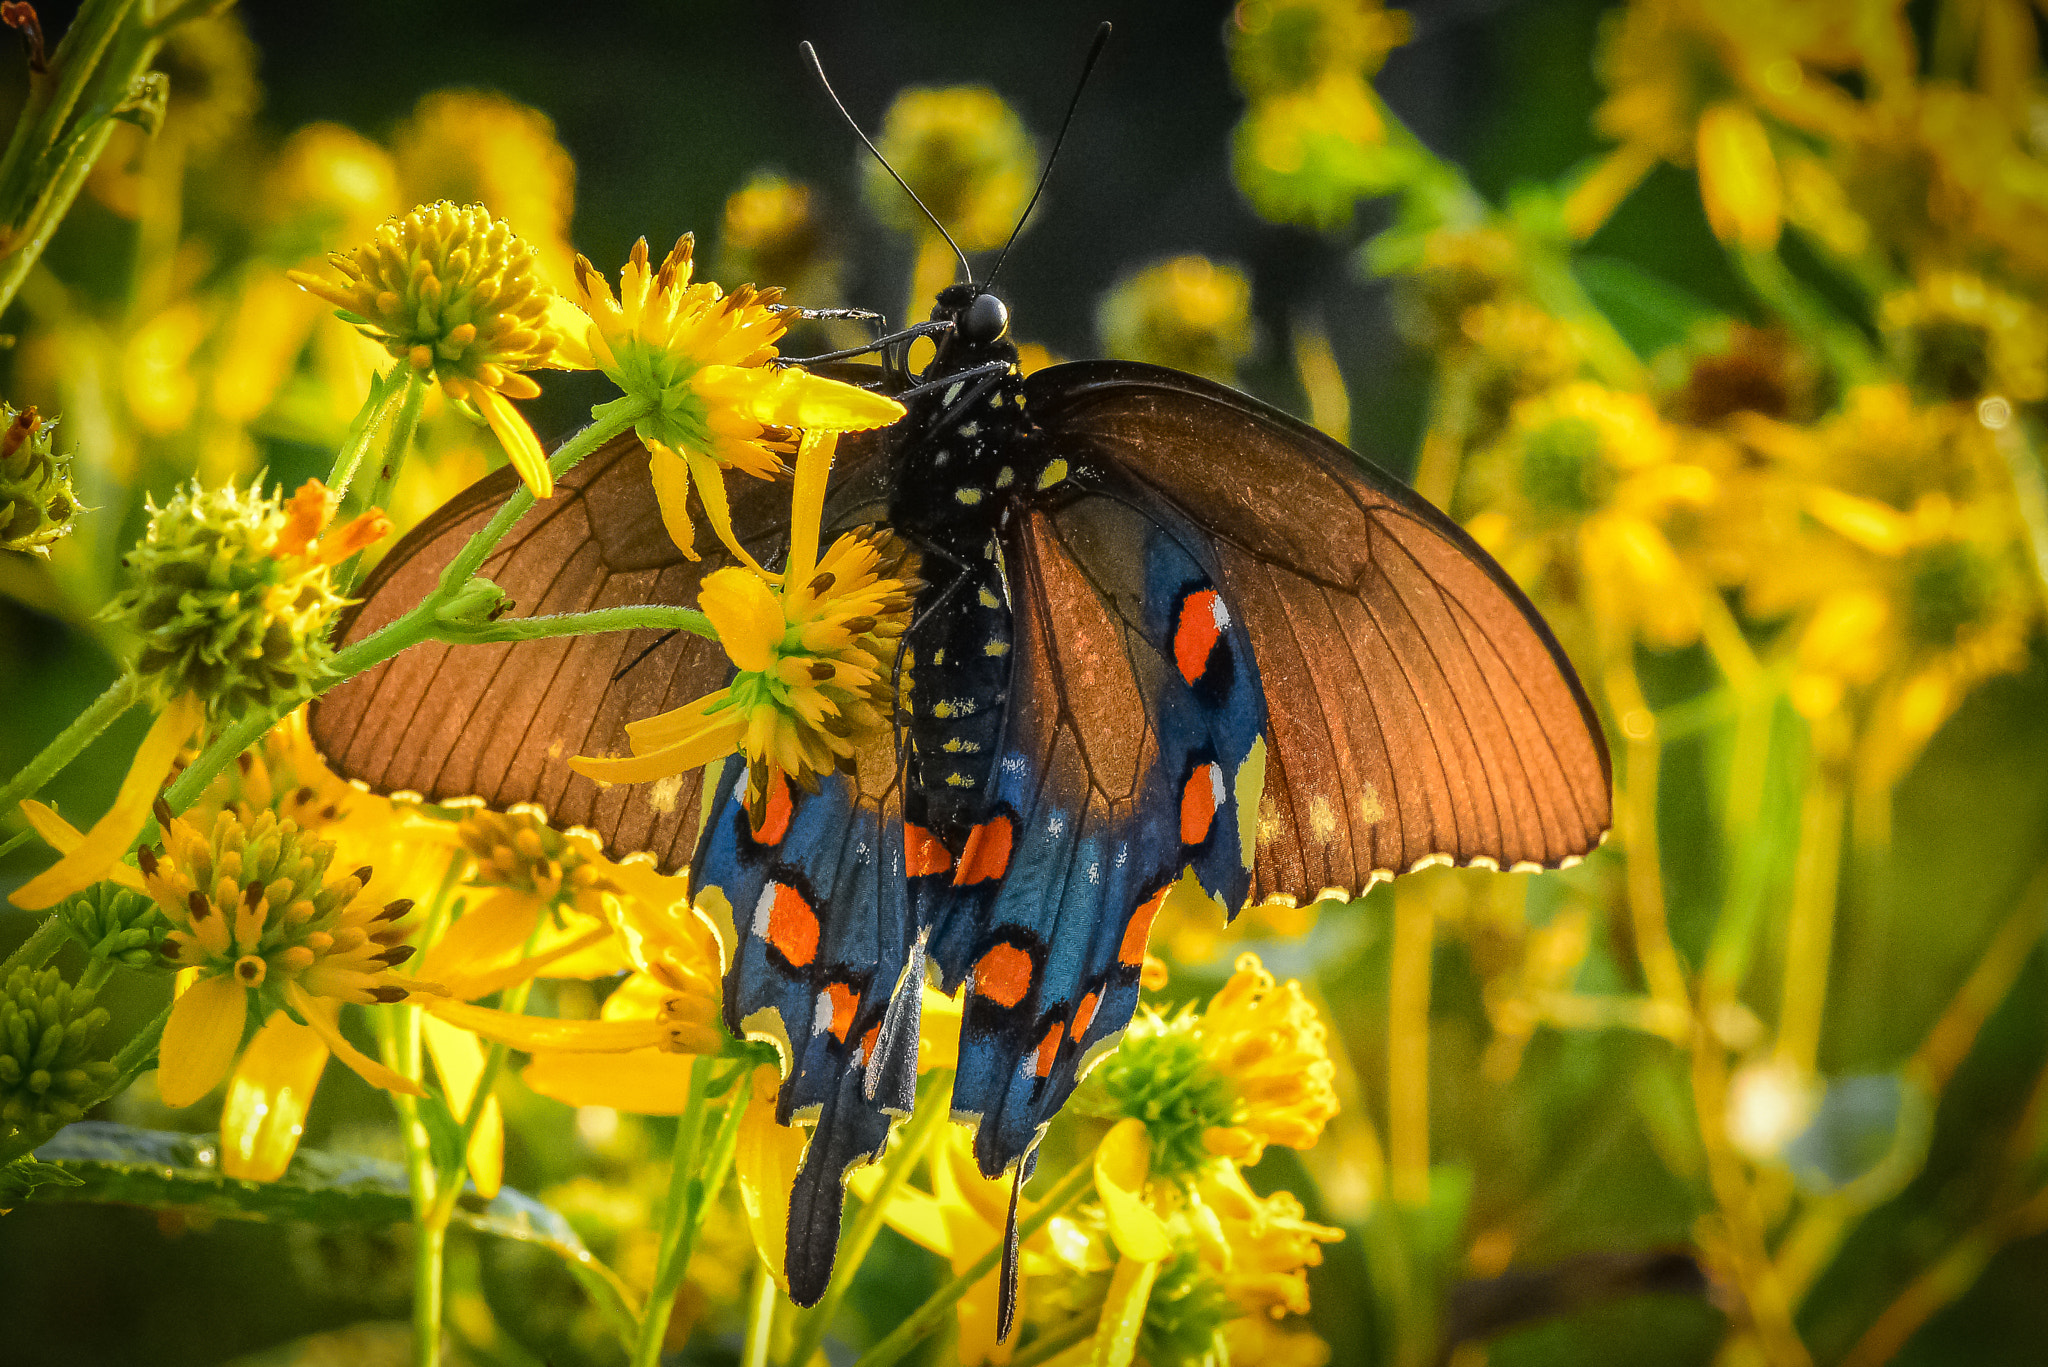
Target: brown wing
500 722
1419 708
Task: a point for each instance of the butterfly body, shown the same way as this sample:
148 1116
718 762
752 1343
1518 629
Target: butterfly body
1170 642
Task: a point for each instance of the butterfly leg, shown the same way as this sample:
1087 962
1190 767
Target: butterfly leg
893 340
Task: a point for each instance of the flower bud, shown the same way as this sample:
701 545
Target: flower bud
116 924
36 502
49 1069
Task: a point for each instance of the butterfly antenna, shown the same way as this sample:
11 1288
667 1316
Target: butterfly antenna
1087 67
819 67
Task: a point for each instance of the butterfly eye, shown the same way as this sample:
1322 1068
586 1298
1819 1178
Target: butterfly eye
985 320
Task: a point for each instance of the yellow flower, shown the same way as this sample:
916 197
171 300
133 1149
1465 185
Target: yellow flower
1739 177
1250 1070
86 859
454 294
773 230
965 154
474 147
813 655
329 185
1958 337
677 983
699 356
1582 487
255 915
1188 313
1281 46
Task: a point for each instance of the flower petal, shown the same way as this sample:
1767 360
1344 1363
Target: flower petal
329 1029
459 1063
63 837
1122 1161
516 436
713 743
534 1034
110 836
807 502
711 488
644 1082
671 475
791 397
485 936
1123 1312
200 1039
746 614
267 1099
765 1163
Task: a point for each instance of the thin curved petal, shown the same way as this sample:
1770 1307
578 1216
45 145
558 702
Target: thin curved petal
807 502
746 614
671 476
718 510
535 1034
1122 1162
63 837
485 936
644 1082
459 1063
790 397
200 1039
102 847
713 743
765 1164
365 1067
267 1099
516 436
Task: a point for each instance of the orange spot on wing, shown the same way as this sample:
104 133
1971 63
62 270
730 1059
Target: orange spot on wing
775 812
1003 975
986 854
1084 1015
1048 1050
1196 635
1198 804
922 852
844 1000
867 1045
793 926
1131 953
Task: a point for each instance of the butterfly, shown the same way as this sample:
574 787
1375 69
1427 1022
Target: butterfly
1166 636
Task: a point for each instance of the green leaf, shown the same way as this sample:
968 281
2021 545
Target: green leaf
119 1164
19 1180
1648 311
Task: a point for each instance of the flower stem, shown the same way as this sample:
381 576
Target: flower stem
98 715
932 1108
398 1030
397 441
760 1318
418 625
693 1185
385 391
928 1316
1408 1047
36 950
639 617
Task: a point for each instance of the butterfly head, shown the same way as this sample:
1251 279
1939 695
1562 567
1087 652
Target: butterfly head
981 324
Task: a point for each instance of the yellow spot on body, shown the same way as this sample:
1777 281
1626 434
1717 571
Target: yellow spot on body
989 600
959 781
997 649
1005 477
661 795
1370 809
939 658
958 746
1249 788
1053 473
942 710
968 496
555 750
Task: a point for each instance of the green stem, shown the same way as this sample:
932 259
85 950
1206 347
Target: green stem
421 624
684 1184
760 1318
16 841
53 97
1783 293
36 950
1052 1343
85 728
95 972
385 391
398 1029
928 1316
932 1108
640 617
397 441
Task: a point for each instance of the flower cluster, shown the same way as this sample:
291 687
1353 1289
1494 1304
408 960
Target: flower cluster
36 501
50 1065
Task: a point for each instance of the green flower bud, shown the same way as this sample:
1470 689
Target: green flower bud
36 502
231 598
1164 1077
49 1070
116 924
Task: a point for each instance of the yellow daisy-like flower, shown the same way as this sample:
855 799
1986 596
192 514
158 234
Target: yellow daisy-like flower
1189 313
699 356
255 915
1251 1069
1581 490
813 655
454 293
1958 337
476 147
